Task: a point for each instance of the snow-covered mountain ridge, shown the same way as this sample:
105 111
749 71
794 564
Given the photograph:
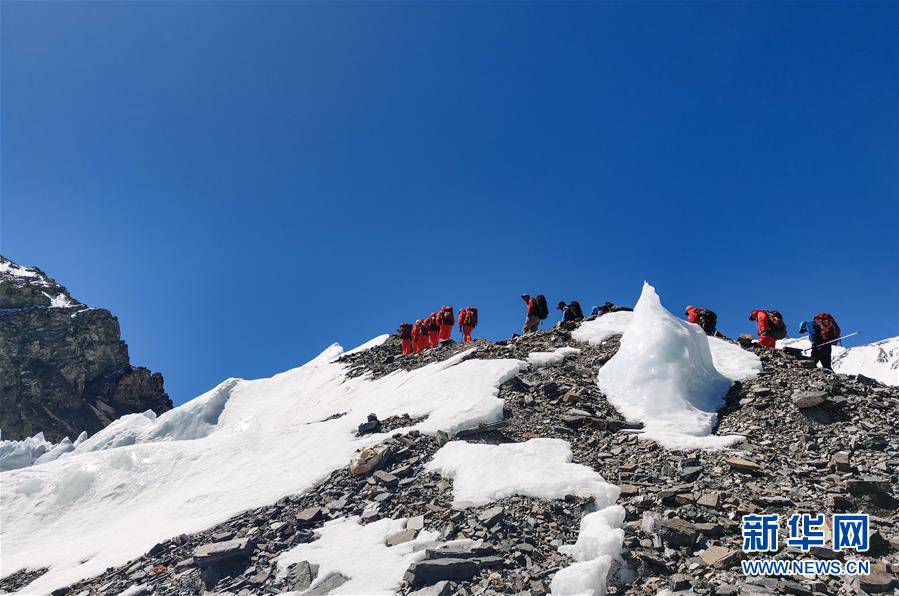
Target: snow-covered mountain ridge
546 462
878 360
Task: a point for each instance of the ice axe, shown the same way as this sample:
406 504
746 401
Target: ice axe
832 341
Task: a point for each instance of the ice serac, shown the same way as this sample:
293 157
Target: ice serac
664 375
242 445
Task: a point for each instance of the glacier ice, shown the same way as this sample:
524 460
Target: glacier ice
664 375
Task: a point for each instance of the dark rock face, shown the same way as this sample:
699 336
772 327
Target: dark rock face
63 366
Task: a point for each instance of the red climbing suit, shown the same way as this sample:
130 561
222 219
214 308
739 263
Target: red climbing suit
764 328
406 337
419 336
446 323
468 320
434 329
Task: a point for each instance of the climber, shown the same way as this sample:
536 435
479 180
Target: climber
468 320
703 317
771 327
405 333
567 314
606 308
420 336
822 331
532 318
576 311
433 324
446 323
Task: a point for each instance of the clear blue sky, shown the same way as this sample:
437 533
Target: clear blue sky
245 183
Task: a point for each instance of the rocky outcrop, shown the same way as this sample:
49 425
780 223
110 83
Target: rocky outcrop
63 366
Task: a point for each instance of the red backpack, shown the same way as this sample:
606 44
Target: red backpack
405 330
828 330
469 316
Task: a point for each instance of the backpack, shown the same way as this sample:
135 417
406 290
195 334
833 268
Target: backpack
576 311
469 316
708 320
828 330
433 323
776 326
405 330
542 307
446 317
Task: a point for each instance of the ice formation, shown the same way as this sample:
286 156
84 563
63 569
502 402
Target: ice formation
664 376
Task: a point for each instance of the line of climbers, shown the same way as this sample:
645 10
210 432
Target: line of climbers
436 328
571 312
823 331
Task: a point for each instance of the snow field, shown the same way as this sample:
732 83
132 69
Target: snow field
241 445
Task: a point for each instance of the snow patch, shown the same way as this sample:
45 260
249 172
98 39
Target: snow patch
59 301
557 356
599 541
602 328
13 269
664 376
240 446
538 468
359 552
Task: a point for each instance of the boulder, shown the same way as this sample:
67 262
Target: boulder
677 532
430 571
216 552
809 399
368 459
491 516
328 585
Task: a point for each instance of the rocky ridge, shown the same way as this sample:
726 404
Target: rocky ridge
64 368
814 441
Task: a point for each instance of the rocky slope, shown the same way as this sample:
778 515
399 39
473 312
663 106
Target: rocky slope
815 441
64 368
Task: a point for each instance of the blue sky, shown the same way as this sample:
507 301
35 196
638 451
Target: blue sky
245 183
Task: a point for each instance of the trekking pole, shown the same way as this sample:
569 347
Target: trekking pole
832 341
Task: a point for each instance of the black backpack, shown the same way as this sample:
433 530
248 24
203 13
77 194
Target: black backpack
575 308
708 320
542 307
777 328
